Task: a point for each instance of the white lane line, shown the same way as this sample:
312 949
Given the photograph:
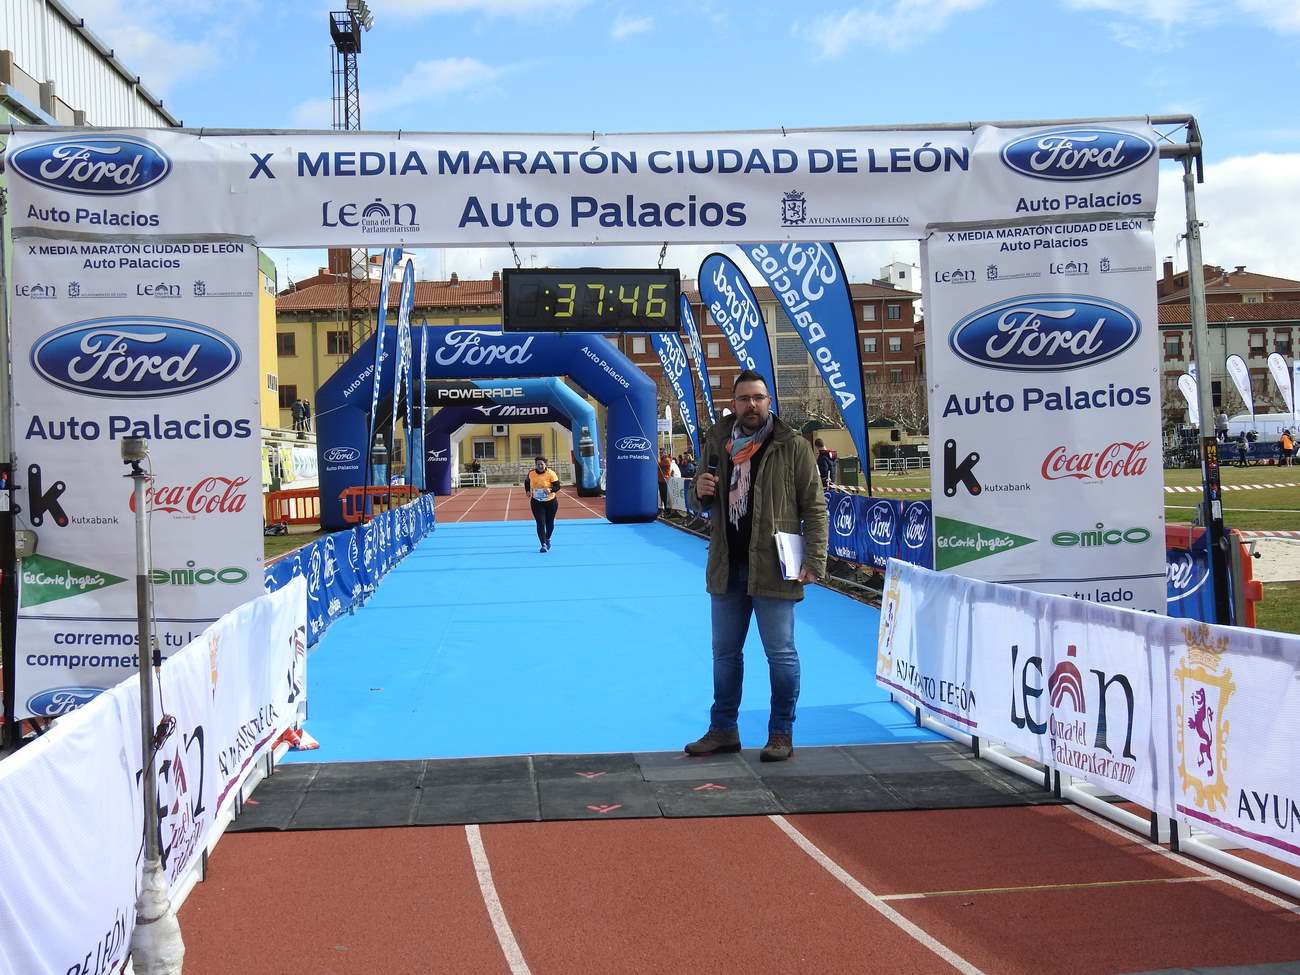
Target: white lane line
1188 861
587 506
500 925
843 876
1038 888
509 495
482 494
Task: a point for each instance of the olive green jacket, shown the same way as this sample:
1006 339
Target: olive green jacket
787 497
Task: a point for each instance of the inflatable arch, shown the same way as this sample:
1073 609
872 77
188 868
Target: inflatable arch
343 403
512 401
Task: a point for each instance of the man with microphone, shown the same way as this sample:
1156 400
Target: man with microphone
759 477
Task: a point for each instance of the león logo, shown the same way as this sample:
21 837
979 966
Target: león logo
1204 688
955 473
794 209
1066 681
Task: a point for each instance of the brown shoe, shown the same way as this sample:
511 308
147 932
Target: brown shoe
715 743
777 749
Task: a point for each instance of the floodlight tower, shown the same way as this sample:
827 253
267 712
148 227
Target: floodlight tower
352 314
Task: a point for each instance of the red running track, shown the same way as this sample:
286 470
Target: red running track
510 504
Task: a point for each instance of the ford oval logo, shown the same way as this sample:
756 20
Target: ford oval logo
844 519
1077 154
342 455
1181 576
1045 333
880 523
134 357
633 443
95 165
916 525
61 700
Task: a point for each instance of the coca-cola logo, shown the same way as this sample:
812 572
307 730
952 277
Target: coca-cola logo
1121 458
213 495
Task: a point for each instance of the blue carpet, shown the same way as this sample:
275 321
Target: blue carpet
477 645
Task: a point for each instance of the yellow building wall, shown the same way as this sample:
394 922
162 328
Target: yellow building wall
269 367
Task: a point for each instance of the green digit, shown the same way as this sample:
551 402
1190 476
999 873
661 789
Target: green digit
572 290
600 297
656 307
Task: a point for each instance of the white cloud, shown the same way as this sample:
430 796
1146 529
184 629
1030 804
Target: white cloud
1172 18
427 81
1278 14
1250 206
900 25
624 27
498 8
154 40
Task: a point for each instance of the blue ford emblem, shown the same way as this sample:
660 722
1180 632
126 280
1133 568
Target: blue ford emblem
880 523
1077 154
916 525
1181 576
342 455
61 700
844 520
633 444
1045 333
96 165
134 356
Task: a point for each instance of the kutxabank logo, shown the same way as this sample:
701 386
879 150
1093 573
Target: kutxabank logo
958 542
93 165
1044 333
45 580
1204 688
1077 154
134 357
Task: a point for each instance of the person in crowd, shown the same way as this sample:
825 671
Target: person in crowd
1221 426
825 463
306 413
295 412
474 467
542 485
1286 446
766 481
688 466
665 466
1243 452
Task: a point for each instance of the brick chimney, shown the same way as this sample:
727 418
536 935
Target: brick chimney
1241 269
455 280
496 280
340 260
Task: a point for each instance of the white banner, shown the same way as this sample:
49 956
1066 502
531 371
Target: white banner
71 826
115 339
371 189
1186 719
1241 379
1187 386
1045 408
1281 374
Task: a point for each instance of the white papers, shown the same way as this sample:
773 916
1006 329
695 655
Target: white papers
789 548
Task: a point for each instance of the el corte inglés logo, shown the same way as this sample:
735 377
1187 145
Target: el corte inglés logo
958 542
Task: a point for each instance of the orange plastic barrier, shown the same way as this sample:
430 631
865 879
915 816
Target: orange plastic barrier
1181 537
377 499
298 507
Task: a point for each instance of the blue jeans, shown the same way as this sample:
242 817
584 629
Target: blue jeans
731 614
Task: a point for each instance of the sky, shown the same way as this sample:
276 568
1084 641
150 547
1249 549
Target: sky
702 65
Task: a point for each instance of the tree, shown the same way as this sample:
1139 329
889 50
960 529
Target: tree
907 403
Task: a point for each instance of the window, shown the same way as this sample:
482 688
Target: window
1282 342
1173 347
902 275
895 343
790 351
338 343
1216 392
272 382
638 345
869 375
868 313
529 447
1257 343
285 343
893 312
869 344
485 449
288 394
712 349
1254 300
895 375
714 382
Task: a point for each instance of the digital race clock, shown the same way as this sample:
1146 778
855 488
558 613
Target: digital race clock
590 300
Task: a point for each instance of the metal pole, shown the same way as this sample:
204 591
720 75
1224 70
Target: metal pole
8 561
156 946
1209 444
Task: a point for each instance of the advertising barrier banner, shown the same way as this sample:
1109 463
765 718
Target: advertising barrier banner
357 189
1188 720
1045 408
115 339
735 310
71 806
697 354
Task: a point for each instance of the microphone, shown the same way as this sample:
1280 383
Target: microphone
713 465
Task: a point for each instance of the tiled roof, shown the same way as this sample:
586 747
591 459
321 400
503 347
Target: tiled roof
327 295
1231 282
858 291
1263 311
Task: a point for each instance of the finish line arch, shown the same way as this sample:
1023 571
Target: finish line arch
343 404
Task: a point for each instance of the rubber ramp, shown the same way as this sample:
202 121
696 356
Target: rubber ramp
859 778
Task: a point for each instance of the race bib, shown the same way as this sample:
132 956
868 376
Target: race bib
540 494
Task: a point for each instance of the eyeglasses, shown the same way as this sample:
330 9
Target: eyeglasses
751 400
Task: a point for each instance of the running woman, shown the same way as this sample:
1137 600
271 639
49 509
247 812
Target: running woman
542 487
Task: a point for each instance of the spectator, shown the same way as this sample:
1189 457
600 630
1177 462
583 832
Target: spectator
1221 426
825 462
665 466
306 413
688 466
295 411
1286 448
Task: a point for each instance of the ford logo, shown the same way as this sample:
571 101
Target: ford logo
916 525
880 523
844 520
1181 576
134 357
1045 333
342 455
633 444
95 165
1077 154
61 700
